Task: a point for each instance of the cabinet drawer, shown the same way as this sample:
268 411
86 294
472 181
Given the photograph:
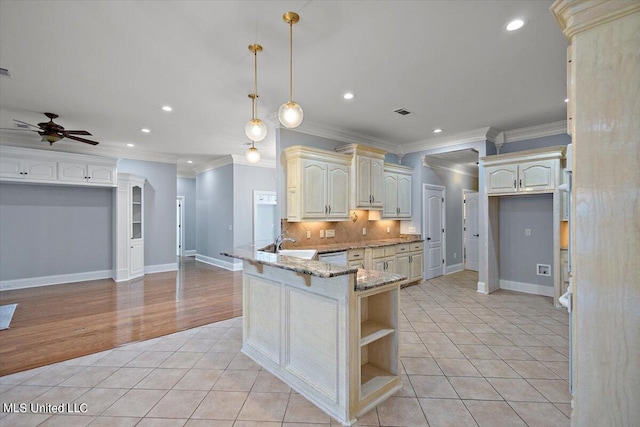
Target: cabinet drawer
402 248
355 254
377 253
385 251
417 246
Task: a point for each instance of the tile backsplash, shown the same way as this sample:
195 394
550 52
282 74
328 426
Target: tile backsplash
345 231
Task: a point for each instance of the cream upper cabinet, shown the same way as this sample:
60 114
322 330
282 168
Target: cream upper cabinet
317 184
397 191
54 167
534 171
367 175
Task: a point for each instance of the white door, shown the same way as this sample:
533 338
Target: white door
471 231
433 199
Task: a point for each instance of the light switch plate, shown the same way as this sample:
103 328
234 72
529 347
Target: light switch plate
322 234
364 231
308 234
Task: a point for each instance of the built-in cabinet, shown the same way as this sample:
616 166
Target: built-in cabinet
403 258
367 173
355 258
317 185
520 173
129 248
397 191
55 167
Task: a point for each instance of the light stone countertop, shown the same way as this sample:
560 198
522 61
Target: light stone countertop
365 279
344 246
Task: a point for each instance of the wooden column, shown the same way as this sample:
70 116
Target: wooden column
605 91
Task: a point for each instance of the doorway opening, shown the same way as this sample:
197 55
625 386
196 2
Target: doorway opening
265 218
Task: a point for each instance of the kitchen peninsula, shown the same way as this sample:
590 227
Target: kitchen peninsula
329 331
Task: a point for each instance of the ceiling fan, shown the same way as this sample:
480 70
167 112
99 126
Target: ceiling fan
53 132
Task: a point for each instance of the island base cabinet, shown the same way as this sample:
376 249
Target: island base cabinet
336 347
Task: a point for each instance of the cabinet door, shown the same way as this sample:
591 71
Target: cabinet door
72 172
404 196
536 176
101 174
11 168
363 181
379 264
136 260
377 186
41 170
390 205
402 265
416 265
391 264
314 189
501 179
338 191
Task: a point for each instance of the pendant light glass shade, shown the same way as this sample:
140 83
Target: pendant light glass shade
253 155
256 129
290 113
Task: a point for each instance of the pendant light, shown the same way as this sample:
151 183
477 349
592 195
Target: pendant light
290 113
253 155
256 130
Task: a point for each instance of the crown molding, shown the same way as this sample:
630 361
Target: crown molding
575 16
214 164
469 170
532 132
263 163
475 135
186 174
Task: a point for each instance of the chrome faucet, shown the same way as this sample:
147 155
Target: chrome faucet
281 239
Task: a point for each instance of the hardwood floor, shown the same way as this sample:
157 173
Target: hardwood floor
61 322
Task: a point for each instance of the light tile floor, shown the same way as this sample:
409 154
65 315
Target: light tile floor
468 359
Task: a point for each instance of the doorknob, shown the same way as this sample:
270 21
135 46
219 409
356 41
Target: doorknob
476 235
428 238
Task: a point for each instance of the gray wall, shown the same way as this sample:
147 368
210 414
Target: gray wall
530 144
51 230
159 208
519 254
246 179
214 212
187 189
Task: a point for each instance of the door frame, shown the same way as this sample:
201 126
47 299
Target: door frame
444 226
464 226
180 224
256 195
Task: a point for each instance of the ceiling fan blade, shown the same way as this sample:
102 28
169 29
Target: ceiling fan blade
86 141
25 123
77 132
19 129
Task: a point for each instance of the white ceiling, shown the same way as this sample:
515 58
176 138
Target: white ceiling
108 67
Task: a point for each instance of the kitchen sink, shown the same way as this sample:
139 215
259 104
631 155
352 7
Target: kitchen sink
300 253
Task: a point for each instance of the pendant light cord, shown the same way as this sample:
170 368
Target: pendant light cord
290 61
255 84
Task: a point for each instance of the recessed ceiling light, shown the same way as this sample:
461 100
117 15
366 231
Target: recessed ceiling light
166 108
348 95
515 25
131 145
566 100
145 130
189 161
437 130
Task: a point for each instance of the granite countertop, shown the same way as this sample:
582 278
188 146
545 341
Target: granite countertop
365 279
338 247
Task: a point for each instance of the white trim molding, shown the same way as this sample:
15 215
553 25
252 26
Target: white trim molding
450 269
33 282
263 163
482 288
528 288
160 268
232 266
214 164
475 135
532 132
191 252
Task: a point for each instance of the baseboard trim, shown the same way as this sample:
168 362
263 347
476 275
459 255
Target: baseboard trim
528 288
450 269
160 268
482 288
233 266
34 282
190 253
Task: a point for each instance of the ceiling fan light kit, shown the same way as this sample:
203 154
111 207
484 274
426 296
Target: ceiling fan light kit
290 113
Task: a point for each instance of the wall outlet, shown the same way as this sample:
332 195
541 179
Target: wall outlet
388 230
527 232
322 234
308 234
455 255
543 269
411 230
330 233
364 231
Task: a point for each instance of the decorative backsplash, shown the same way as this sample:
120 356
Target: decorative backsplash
345 231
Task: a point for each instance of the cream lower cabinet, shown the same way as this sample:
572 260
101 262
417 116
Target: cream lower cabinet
384 259
317 185
409 261
397 191
129 250
355 258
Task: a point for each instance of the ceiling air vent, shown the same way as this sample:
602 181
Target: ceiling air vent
402 111
4 72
